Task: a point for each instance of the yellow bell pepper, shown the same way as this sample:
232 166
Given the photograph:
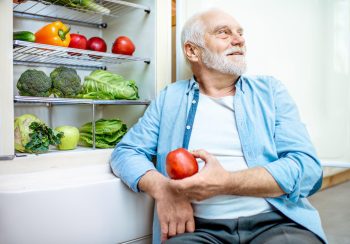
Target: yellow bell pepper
56 34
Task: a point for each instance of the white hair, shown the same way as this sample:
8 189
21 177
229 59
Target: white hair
193 30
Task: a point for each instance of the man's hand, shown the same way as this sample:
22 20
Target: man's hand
214 180
175 212
208 182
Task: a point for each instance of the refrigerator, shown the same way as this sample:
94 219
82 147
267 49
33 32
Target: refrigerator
72 196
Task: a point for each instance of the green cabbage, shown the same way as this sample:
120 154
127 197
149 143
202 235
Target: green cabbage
104 85
33 136
107 133
22 130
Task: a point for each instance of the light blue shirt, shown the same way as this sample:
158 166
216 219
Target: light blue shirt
272 136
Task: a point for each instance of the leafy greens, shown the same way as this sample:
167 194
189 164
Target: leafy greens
107 133
104 85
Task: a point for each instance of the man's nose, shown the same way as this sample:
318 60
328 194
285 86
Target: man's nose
237 40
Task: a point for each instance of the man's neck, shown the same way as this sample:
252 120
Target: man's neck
216 84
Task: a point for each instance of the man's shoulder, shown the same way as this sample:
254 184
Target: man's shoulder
178 85
260 78
261 81
173 91
175 88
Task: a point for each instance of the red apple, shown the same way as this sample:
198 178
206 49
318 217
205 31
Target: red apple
180 164
123 45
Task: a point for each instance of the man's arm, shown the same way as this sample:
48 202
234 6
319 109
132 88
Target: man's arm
131 161
174 210
297 170
213 180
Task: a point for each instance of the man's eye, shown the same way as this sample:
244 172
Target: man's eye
223 33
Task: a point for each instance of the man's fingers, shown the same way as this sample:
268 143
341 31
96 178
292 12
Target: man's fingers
202 154
164 230
180 228
190 225
172 228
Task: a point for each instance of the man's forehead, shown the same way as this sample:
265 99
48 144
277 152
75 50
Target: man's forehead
216 19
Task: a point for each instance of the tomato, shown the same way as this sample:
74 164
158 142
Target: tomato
97 44
77 41
180 164
123 45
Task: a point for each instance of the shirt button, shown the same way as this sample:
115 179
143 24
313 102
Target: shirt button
188 127
193 101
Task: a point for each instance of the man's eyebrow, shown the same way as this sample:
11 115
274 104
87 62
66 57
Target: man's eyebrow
220 27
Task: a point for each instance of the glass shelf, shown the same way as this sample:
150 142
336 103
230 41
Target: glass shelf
69 101
53 10
49 101
35 54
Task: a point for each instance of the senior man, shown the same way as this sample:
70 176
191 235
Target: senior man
257 162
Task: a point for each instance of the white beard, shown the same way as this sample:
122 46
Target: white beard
235 65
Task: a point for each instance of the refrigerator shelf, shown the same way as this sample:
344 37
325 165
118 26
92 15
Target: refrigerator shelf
48 55
53 149
70 101
52 11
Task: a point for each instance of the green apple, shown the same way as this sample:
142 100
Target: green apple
70 137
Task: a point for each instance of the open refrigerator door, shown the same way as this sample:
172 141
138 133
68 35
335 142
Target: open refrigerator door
112 213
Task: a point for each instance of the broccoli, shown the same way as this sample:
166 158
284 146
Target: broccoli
65 82
34 83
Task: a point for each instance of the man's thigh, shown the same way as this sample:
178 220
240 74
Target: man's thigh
209 231
193 238
287 234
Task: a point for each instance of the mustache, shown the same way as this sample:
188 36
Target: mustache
235 50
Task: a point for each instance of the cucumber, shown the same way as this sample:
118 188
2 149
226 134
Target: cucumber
24 36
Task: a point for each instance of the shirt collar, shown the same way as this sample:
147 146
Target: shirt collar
193 84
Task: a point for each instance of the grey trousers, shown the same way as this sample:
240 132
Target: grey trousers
269 228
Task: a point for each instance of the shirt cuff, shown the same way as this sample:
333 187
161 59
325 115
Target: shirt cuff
287 175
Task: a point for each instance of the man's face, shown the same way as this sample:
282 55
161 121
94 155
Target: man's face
224 49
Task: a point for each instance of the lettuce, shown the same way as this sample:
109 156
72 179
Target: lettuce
107 133
104 85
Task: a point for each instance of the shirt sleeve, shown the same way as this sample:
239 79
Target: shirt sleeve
132 157
297 170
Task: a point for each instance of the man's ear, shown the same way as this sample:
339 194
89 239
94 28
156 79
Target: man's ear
191 52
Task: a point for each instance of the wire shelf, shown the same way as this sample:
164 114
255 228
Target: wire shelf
70 101
59 10
29 53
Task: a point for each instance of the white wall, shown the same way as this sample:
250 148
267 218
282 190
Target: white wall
306 45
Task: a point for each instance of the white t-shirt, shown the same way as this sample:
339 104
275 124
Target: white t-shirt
214 130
